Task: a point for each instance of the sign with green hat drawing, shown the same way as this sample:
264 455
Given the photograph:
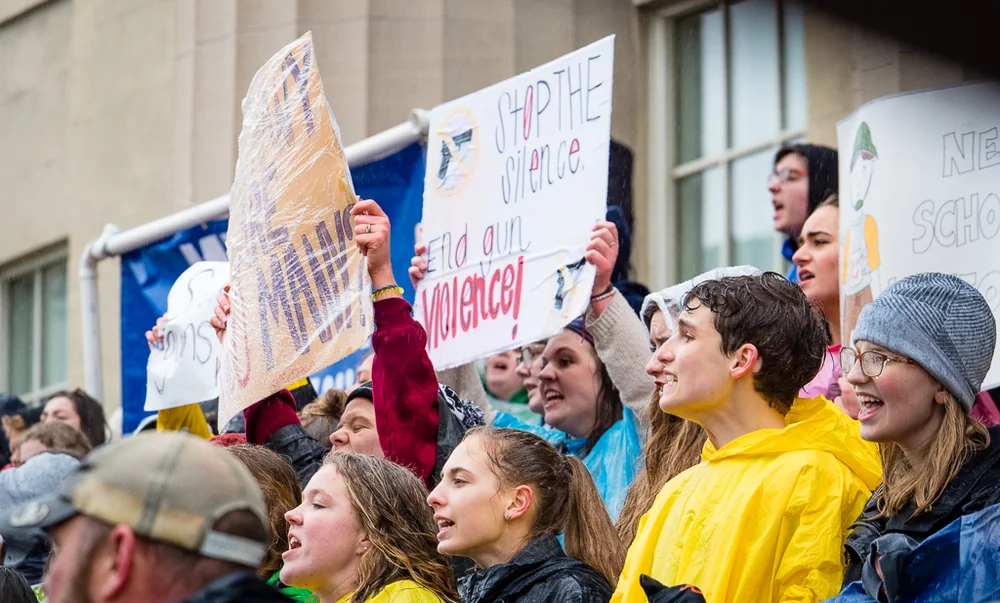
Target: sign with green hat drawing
920 172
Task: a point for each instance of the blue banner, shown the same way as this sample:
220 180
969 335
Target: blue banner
396 182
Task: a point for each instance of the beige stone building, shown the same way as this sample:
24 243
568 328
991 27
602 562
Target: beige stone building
123 111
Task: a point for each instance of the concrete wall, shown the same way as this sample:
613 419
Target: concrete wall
123 111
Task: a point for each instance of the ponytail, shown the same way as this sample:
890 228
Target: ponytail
565 497
590 536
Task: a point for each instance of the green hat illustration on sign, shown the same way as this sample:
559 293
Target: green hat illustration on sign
863 144
862 165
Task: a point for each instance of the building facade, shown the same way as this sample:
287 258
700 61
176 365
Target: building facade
124 111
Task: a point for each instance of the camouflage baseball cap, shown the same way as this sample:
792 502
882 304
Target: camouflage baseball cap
169 487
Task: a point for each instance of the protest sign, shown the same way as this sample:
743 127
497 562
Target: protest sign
517 176
186 370
919 186
301 298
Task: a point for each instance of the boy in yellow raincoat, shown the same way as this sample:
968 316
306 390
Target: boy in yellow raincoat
765 515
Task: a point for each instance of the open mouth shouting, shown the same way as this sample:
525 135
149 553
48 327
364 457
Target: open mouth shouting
444 526
870 406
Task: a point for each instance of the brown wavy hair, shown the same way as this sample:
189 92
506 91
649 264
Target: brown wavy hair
565 498
58 438
281 492
957 440
391 505
774 315
674 446
321 417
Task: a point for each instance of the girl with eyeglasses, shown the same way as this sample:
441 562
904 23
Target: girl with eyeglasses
920 353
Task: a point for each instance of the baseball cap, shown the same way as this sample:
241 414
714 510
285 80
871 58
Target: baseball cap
170 487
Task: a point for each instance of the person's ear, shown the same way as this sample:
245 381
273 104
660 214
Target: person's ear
364 545
941 395
746 360
520 502
112 562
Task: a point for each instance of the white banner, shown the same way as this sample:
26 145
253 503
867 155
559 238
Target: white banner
186 370
919 186
517 176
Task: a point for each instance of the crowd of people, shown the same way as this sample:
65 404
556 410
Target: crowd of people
717 440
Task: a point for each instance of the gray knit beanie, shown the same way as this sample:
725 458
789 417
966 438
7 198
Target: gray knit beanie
941 322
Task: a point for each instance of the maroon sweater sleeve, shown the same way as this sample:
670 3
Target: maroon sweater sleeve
269 415
405 388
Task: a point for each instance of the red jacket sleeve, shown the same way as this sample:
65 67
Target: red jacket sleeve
405 388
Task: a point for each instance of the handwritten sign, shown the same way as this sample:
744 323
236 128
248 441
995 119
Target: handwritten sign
187 369
920 192
301 298
517 176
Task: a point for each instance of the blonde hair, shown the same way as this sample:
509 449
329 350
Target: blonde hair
956 441
674 446
391 505
566 499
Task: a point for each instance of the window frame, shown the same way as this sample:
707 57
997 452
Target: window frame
664 207
34 264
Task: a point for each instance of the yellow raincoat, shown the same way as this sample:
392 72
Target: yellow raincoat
401 591
763 518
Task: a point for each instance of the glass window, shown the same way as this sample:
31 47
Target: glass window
20 341
34 321
740 94
54 325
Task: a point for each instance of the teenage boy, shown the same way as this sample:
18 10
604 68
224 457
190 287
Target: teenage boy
764 516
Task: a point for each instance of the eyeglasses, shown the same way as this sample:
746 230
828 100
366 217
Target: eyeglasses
787 175
872 362
530 353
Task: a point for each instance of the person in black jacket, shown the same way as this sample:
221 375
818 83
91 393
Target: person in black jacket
504 497
922 350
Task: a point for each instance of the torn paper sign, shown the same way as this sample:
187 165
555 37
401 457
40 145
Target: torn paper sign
186 370
517 176
300 296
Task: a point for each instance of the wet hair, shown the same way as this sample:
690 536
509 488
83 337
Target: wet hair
566 501
831 201
390 503
59 438
674 445
14 587
772 314
320 418
958 438
92 422
281 491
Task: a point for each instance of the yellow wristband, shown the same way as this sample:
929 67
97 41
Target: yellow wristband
380 293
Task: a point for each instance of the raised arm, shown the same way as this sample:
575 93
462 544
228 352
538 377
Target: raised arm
404 385
620 338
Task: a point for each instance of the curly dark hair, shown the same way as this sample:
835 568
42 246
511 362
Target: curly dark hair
772 314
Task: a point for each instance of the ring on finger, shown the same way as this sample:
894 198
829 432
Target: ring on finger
368 228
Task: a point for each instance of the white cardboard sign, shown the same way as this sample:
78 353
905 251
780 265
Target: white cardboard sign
517 176
187 369
919 186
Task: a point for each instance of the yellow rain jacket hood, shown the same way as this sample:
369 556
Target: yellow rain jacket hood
765 517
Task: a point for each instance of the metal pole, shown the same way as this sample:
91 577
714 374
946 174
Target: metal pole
112 242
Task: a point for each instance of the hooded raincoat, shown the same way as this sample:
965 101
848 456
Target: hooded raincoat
765 517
